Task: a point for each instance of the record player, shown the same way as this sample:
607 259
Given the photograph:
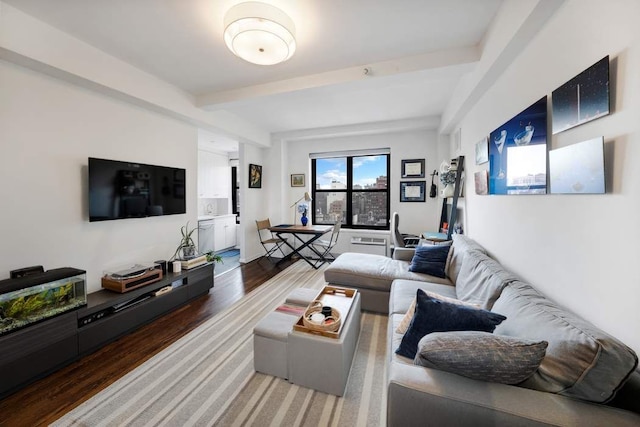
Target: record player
131 277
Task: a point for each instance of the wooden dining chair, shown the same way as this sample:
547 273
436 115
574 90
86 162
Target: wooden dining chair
270 242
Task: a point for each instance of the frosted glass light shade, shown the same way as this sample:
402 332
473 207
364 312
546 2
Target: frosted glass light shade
259 33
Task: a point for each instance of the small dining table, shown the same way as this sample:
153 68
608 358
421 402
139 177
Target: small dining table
312 232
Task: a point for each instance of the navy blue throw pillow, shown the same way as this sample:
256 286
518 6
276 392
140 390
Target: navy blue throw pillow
430 259
433 315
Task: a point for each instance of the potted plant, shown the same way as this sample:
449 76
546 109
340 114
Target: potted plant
187 247
211 257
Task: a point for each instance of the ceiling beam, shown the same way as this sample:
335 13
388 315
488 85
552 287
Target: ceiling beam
426 61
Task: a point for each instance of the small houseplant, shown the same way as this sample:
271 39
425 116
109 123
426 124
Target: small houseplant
212 257
187 247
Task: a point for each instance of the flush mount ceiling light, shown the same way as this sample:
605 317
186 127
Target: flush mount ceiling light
259 33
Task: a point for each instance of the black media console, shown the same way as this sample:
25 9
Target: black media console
34 352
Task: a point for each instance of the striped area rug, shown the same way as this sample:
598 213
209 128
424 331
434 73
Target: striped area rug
207 377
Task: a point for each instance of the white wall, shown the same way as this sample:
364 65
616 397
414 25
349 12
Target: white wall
48 129
415 217
580 250
254 202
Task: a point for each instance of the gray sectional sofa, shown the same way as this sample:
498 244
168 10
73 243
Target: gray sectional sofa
587 377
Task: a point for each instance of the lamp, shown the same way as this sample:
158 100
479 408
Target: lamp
306 197
259 33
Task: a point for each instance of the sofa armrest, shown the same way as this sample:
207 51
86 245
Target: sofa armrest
403 254
424 396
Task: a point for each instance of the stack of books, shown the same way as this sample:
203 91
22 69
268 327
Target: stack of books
193 262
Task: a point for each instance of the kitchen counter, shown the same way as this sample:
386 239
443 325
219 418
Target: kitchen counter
207 217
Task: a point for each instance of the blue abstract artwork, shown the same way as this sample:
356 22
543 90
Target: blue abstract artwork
518 153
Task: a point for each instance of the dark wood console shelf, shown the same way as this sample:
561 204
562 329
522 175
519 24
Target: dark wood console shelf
34 352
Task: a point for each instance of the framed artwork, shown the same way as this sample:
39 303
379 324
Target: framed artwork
582 99
297 180
413 168
412 191
482 151
255 176
578 168
518 153
482 182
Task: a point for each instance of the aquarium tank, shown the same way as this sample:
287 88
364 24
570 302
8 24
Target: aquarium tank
36 297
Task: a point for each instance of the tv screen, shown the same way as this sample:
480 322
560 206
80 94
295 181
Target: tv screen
119 190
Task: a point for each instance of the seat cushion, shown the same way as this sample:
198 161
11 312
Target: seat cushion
582 361
460 247
375 272
403 293
481 280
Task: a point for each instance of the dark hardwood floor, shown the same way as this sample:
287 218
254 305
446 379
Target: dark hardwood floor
46 400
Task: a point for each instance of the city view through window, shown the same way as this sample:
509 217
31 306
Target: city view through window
354 189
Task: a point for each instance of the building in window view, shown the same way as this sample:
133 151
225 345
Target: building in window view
352 189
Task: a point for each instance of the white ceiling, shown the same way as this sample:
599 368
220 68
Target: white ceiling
322 85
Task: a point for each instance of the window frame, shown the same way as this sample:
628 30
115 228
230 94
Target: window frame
349 191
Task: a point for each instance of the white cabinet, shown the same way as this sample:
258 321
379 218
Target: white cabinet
214 175
217 233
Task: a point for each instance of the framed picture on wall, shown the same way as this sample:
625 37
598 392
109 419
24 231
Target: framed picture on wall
412 191
255 176
482 151
413 168
297 180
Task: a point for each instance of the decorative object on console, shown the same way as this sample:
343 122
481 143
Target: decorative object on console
297 180
412 191
187 247
518 153
583 98
307 198
128 278
413 168
255 176
434 315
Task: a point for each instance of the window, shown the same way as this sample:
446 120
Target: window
351 187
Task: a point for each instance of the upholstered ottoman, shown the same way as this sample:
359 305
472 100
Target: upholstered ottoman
270 335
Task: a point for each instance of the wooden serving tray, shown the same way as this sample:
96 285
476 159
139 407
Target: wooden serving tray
339 298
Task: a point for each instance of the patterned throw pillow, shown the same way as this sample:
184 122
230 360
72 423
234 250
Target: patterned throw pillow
433 315
406 320
430 259
481 355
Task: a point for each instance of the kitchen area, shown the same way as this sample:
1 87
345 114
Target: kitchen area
218 207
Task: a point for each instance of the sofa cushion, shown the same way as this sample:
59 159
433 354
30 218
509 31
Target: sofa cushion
403 293
481 355
460 247
433 315
430 259
581 362
408 316
481 280
372 272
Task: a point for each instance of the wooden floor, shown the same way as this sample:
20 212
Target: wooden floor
46 400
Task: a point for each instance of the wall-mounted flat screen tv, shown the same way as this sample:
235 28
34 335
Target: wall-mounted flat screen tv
119 190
